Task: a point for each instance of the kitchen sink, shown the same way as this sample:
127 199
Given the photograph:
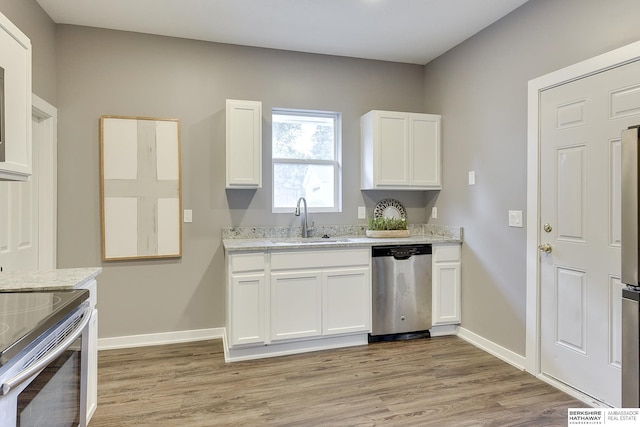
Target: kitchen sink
308 241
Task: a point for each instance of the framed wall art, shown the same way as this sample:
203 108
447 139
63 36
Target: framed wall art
141 185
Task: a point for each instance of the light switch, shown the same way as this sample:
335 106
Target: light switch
515 218
188 215
362 212
472 177
434 212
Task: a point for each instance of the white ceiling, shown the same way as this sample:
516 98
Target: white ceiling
411 31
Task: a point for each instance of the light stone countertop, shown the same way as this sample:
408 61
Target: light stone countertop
65 278
268 244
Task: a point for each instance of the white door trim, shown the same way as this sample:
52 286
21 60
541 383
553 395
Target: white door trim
47 115
582 69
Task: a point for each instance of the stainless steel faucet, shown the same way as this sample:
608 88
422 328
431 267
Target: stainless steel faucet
305 227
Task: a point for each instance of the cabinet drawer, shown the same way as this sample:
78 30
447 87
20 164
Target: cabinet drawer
246 262
319 259
446 253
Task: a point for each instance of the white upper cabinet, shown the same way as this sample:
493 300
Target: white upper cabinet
15 102
244 144
400 151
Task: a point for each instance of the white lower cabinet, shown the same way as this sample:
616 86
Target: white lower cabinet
285 302
92 375
289 302
446 284
346 296
246 298
320 293
296 305
248 308
92 349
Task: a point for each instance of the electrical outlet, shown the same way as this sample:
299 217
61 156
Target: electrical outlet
188 215
472 177
434 212
362 212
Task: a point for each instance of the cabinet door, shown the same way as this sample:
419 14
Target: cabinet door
244 144
424 155
15 102
346 301
391 152
446 293
296 305
92 366
247 306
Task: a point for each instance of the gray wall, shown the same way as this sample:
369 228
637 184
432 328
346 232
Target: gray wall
111 72
480 88
31 19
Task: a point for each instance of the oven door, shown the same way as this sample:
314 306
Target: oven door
52 391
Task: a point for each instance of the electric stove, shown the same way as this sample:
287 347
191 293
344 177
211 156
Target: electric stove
24 316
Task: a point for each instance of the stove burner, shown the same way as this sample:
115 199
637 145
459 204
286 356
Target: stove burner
25 316
32 303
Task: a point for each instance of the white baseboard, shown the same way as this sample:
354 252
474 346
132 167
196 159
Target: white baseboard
575 393
519 362
160 338
295 347
490 347
442 330
219 333
585 398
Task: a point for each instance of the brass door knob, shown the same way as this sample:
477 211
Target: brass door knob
546 248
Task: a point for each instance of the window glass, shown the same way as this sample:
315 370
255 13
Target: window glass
303 137
313 182
305 154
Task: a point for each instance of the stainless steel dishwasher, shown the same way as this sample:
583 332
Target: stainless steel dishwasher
401 281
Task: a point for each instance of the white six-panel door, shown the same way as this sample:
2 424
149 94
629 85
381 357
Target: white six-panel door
580 285
19 225
19 221
28 209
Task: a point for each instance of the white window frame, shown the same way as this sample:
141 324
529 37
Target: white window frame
337 162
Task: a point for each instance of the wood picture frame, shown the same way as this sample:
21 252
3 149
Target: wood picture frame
141 187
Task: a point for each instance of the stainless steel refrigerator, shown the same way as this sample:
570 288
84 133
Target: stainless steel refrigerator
630 264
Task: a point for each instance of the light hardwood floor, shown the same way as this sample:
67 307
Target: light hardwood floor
442 381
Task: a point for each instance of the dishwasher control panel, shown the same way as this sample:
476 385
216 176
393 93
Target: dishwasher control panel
401 251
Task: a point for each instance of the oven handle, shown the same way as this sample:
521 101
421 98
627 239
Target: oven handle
37 367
